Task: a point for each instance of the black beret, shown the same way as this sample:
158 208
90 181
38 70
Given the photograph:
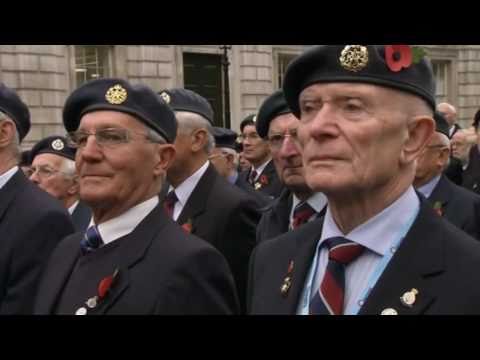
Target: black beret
187 100
249 120
53 145
119 95
275 105
25 159
441 124
395 66
16 109
225 138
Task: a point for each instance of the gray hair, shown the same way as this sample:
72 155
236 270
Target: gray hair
188 122
68 168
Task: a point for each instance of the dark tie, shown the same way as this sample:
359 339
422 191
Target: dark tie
252 176
302 213
169 203
329 299
91 240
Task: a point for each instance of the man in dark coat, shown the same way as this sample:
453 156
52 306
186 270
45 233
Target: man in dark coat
132 259
32 222
366 114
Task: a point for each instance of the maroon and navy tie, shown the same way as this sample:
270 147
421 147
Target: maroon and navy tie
169 203
330 297
302 213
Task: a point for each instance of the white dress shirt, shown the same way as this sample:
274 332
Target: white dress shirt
72 208
428 188
378 235
124 224
260 169
185 189
7 176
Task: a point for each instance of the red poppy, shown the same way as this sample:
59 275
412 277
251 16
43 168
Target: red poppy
398 57
104 286
187 227
438 208
264 180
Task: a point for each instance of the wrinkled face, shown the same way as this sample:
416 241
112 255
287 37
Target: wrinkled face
460 145
221 161
120 175
286 154
49 176
433 159
352 136
255 149
243 163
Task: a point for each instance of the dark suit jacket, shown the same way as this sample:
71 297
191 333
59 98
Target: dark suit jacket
261 199
273 188
275 218
225 217
436 258
163 271
32 223
471 175
454 171
81 217
459 206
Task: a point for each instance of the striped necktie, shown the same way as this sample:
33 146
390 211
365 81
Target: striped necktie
169 203
252 176
329 299
91 240
302 213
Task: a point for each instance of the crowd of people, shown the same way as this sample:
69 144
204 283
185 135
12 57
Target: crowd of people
350 191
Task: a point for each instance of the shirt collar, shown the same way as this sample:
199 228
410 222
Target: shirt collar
262 167
185 189
7 176
72 208
317 201
127 222
378 233
428 188
232 179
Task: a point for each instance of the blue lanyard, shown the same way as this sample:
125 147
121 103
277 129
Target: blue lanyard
305 299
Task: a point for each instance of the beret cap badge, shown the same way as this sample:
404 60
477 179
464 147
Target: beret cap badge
354 57
116 95
58 144
165 97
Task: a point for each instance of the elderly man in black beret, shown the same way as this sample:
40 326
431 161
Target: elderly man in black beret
199 199
132 259
297 204
366 115
261 176
456 204
224 157
53 170
32 222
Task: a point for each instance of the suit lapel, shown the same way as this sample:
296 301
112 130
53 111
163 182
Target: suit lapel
10 190
442 192
63 268
196 203
417 262
306 240
134 252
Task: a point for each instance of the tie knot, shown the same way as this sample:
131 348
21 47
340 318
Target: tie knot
343 250
302 213
169 203
253 176
91 241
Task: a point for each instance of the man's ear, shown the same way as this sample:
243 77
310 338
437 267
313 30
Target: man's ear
165 156
420 130
75 187
7 132
199 140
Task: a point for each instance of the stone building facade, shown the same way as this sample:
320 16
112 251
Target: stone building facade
44 75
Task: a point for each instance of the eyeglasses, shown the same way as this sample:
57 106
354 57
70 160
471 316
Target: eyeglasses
43 171
108 137
276 140
252 137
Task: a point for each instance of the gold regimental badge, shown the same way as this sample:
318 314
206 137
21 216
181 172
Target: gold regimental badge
354 57
116 95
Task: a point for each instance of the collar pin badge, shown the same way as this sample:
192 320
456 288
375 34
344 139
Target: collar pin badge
81 311
287 282
389 311
409 298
